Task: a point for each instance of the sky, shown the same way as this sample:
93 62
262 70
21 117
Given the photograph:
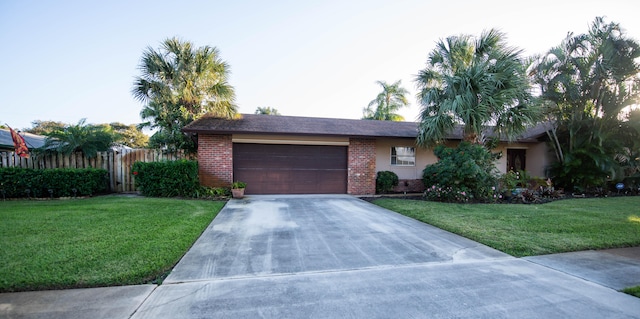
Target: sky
68 60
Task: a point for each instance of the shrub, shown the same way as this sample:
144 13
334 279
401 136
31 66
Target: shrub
238 185
167 179
461 174
213 192
447 194
385 181
18 182
511 180
581 170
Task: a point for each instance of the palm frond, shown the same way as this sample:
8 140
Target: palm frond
391 99
178 83
470 81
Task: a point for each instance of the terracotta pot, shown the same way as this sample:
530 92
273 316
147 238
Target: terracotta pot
237 192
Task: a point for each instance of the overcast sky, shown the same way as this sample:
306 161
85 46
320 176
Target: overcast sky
68 60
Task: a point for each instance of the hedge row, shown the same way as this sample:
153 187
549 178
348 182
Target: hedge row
18 182
167 179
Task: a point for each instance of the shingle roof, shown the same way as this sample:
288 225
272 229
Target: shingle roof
32 140
296 125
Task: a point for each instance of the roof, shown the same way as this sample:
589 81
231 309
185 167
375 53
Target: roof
32 140
297 125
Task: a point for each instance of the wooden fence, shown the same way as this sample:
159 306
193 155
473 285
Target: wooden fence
118 163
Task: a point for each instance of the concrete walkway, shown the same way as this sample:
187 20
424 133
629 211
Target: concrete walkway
613 268
93 303
341 257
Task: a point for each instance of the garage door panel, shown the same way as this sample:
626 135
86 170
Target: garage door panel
261 176
290 162
291 169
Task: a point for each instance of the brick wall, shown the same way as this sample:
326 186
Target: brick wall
215 160
362 167
409 186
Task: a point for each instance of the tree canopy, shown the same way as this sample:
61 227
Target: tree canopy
267 110
128 135
391 99
587 82
45 127
477 83
179 83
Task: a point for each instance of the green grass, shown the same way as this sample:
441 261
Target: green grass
100 241
527 230
634 291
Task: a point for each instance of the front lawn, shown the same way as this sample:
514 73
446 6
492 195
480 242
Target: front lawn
100 241
527 230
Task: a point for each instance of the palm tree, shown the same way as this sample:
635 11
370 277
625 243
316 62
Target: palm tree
476 83
589 78
180 83
86 138
587 81
390 100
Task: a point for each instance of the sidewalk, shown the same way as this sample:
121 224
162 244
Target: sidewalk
614 268
94 303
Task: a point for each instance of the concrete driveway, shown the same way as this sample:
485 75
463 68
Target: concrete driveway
341 257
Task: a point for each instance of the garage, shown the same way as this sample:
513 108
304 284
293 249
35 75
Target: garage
290 169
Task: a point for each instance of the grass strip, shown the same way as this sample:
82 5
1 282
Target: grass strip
634 291
100 241
527 230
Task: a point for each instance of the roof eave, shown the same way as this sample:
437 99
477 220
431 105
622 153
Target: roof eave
231 132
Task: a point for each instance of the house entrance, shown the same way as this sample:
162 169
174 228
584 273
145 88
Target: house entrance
516 159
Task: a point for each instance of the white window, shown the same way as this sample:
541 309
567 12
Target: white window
403 156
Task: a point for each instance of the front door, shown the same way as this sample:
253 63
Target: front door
516 159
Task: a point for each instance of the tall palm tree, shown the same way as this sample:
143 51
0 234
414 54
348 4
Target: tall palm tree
477 83
390 100
180 83
587 81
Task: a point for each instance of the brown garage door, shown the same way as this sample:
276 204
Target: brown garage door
290 169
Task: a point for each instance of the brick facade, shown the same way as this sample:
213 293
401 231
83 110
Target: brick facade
215 160
409 186
361 179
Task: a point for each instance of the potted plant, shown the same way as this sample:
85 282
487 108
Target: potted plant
237 189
